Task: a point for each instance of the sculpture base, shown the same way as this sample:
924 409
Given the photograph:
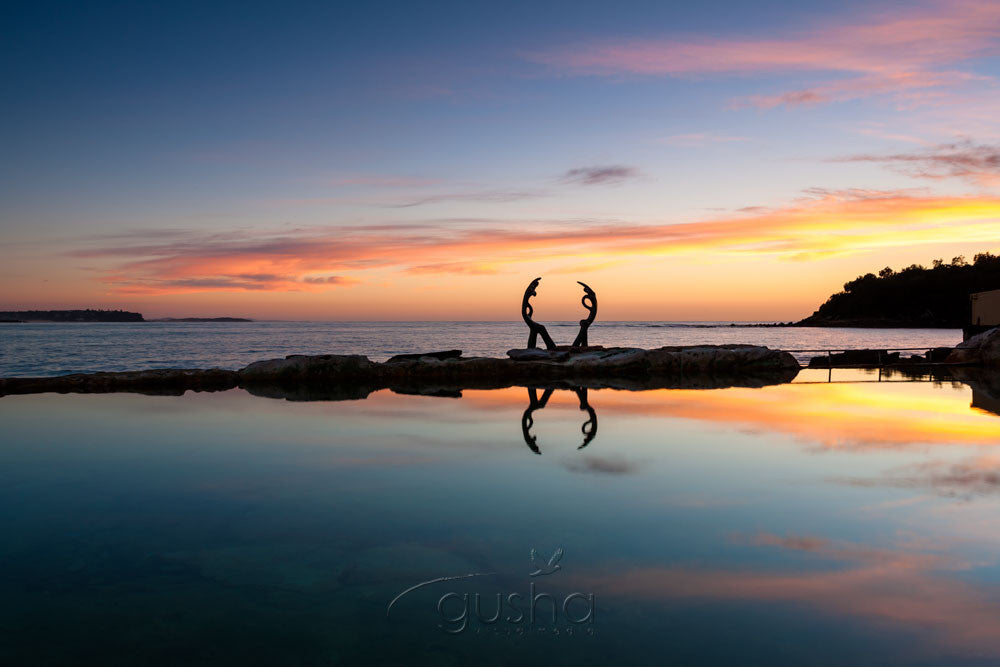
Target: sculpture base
559 353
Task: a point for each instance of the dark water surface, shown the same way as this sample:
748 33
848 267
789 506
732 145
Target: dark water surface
819 524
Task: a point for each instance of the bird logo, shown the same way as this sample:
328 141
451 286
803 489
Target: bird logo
542 568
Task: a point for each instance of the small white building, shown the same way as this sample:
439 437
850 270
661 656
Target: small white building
986 308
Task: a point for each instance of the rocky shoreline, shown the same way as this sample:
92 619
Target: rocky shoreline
332 377
447 373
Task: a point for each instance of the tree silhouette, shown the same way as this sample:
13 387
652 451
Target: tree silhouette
915 296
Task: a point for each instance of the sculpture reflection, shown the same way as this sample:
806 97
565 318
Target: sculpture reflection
588 428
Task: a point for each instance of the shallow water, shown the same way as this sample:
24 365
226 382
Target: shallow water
58 348
851 522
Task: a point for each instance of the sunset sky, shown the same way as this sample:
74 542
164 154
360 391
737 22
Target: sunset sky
382 161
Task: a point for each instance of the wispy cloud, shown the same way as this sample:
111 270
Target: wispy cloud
821 224
603 175
467 268
329 280
904 55
976 163
487 197
383 181
907 87
697 139
882 130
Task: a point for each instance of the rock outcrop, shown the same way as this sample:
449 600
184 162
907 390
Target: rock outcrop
338 377
981 350
691 359
342 368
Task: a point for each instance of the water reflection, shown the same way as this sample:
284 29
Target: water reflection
985 387
588 428
843 523
903 586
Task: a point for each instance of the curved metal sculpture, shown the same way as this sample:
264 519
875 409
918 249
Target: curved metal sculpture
589 295
535 328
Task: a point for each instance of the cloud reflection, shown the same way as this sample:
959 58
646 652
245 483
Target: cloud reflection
838 416
904 587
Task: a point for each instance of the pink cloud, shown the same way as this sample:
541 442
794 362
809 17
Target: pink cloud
902 55
976 163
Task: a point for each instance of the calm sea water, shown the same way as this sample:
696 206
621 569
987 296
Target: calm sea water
819 523
56 349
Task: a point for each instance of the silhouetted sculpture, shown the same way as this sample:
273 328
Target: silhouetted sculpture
535 328
589 295
589 428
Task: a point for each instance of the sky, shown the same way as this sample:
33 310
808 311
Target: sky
425 161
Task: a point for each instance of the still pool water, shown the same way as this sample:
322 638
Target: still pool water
814 523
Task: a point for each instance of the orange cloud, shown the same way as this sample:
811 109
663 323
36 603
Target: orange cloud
887 54
822 224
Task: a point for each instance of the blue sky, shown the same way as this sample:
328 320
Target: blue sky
246 122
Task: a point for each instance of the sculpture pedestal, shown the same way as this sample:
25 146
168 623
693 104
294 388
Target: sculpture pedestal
560 353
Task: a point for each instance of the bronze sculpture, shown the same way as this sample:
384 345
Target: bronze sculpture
535 328
581 338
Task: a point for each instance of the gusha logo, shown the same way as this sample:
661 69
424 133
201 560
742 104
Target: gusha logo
549 568
507 615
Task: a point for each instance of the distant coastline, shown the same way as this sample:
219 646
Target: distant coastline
87 315
92 315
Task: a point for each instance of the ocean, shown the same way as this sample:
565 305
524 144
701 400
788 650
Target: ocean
841 518
47 349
